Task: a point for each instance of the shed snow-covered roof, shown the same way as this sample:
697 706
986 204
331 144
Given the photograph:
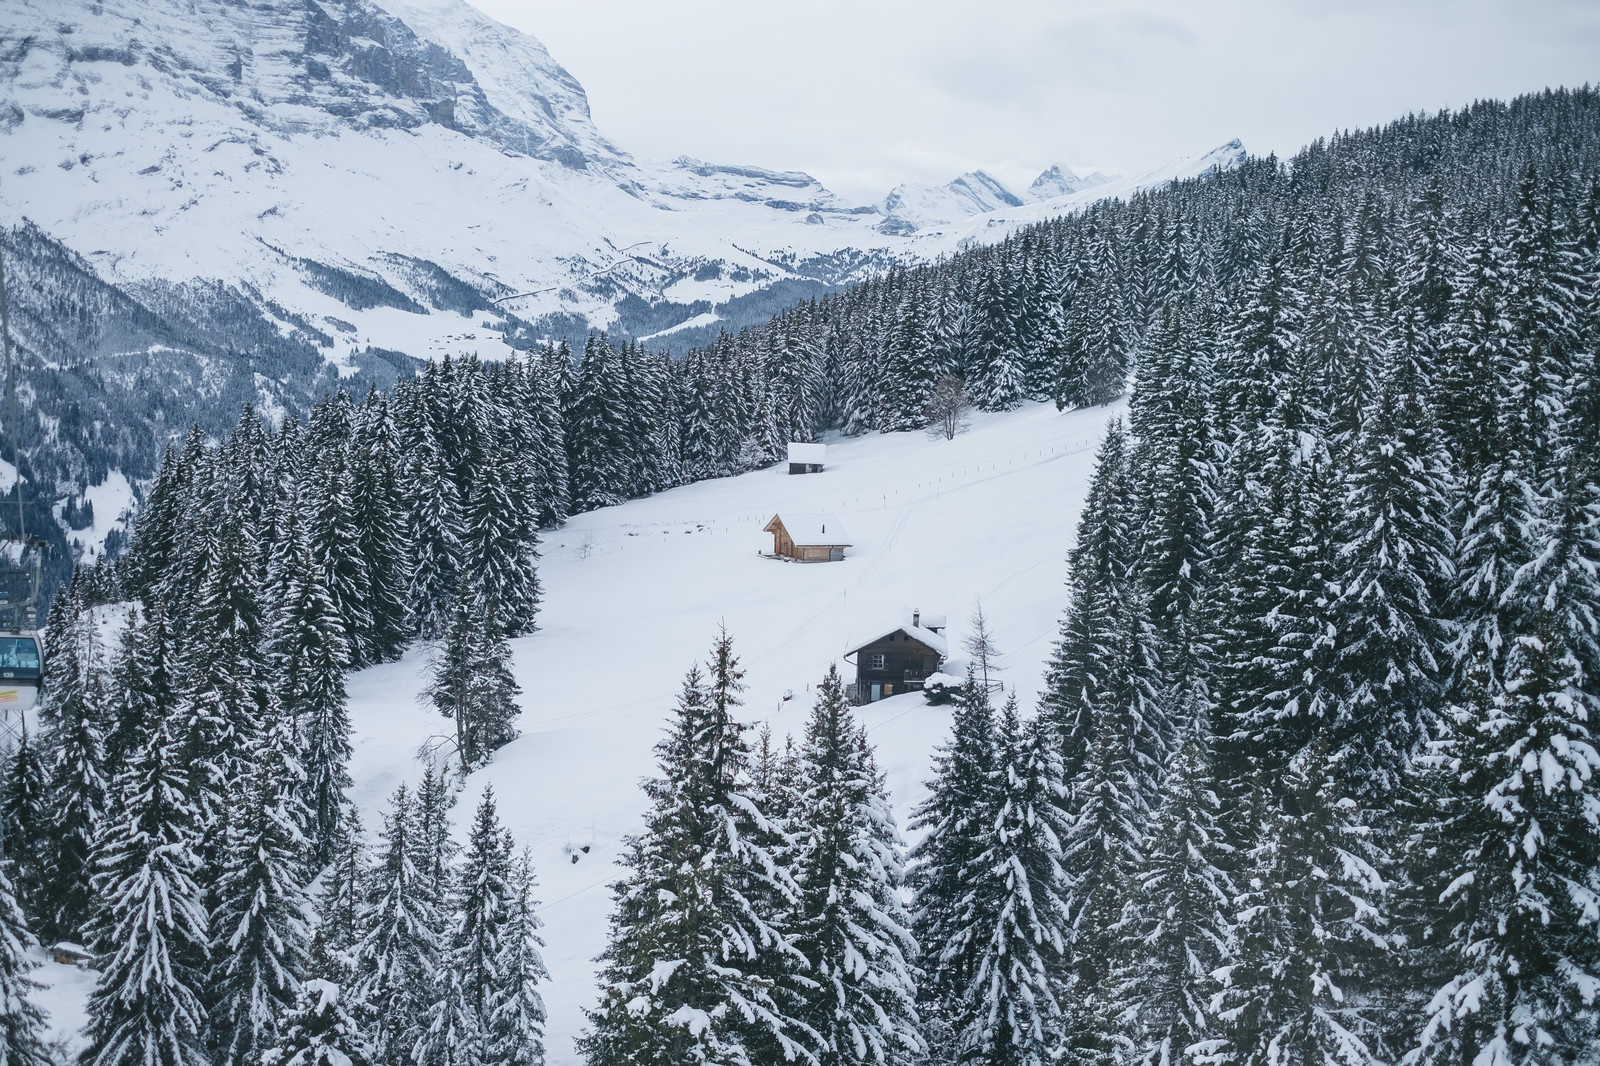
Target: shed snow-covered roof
926 636
812 530
807 453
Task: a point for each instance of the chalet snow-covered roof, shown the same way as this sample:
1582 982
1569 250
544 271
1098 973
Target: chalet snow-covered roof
812 530
916 632
807 453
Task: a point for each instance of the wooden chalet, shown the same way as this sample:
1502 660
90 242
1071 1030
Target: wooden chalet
900 659
807 538
806 458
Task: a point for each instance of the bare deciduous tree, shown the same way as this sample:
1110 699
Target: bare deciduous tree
947 408
980 645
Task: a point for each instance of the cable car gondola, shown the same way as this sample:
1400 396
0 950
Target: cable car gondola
21 671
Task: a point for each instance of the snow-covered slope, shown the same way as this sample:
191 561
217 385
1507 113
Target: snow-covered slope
402 174
635 593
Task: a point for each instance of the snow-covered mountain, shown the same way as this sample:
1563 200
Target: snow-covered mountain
914 205
403 175
1060 181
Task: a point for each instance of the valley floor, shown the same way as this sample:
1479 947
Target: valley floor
634 595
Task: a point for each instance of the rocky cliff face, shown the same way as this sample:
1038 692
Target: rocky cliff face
290 66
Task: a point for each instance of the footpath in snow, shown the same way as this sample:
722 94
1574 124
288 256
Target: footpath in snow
634 595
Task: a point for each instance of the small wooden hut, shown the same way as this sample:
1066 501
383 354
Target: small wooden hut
807 458
807 538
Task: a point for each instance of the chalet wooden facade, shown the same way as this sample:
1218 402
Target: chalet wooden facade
900 659
807 538
807 458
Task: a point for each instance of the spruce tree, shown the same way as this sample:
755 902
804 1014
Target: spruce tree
224 676
1517 872
515 1029
1113 794
23 1037
319 1030
308 653
850 925
379 510
1098 570
150 928
434 526
142 686
472 683
1395 546
397 959
1011 1009
435 847
500 544
1310 920
470 1019
340 902
25 821
955 821
1177 928
258 932
688 973
76 787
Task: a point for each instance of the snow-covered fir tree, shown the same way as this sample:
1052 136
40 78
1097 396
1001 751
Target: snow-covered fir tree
516 1024
477 1006
75 789
308 654
1011 1010
150 930
955 820
24 820
318 1030
397 958
1515 868
472 683
850 924
23 1037
688 974
259 937
1177 927
1310 921
340 903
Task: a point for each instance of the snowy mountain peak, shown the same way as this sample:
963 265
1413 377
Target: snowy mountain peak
915 206
1062 181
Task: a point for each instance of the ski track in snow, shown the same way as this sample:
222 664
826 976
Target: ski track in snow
939 525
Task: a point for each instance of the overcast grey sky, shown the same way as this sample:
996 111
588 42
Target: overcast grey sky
871 93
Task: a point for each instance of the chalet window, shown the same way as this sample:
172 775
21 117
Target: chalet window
875 662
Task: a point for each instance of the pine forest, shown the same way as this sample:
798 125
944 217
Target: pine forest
1314 779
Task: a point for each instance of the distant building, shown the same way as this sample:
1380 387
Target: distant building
807 538
807 458
899 659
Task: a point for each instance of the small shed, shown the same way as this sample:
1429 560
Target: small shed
806 458
807 538
67 953
899 659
